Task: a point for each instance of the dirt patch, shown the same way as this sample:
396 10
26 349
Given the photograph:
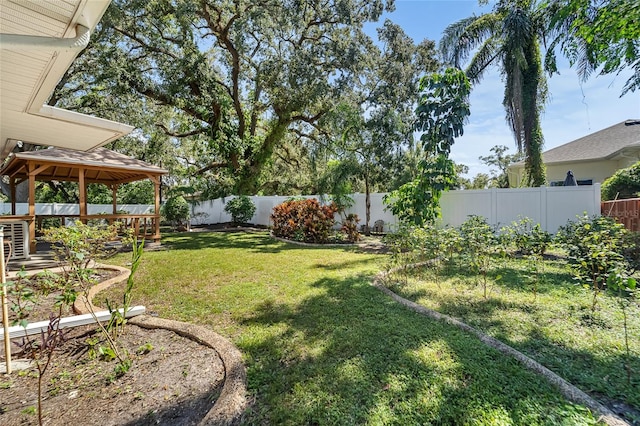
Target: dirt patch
173 380
45 293
180 374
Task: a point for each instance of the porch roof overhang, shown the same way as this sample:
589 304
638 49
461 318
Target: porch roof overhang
100 165
38 42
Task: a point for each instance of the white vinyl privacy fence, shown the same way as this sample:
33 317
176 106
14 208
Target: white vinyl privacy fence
60 209
549 206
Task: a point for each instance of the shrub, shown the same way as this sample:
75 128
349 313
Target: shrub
303 220
578 237
631 251
625 183
479 243
176 210
528 238
77 247
350 227
595 246
240 208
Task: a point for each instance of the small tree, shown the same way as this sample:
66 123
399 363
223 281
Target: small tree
442 110
527 237
240 208
479 245
500 160
77 248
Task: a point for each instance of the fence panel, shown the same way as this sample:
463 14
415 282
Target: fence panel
551 207
74 209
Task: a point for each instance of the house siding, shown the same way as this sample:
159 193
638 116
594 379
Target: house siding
597 171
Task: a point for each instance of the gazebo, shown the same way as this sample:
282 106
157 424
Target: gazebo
99 165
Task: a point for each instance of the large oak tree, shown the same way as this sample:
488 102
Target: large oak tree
229 79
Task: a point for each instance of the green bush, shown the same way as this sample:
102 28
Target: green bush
595 246
303 220
625 183
240 208
527 237
631 251
176 210
78 246
480 242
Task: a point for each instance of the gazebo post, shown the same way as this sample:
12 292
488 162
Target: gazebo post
83 195
114 198
32 208
12 194
156 184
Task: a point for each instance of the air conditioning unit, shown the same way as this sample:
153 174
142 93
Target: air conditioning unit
18 233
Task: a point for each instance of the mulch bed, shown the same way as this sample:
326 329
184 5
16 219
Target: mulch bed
172 380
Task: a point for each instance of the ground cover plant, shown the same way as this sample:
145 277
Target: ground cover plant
322 346
545 306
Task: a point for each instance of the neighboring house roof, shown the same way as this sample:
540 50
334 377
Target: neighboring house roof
101 165
39 40
605 144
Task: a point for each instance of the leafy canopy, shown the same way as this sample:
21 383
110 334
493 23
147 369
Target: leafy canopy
599 36
221 83
509 38
442 109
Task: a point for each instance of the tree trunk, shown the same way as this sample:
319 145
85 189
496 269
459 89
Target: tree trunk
367 229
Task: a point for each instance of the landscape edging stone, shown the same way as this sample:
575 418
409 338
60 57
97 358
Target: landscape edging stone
232 401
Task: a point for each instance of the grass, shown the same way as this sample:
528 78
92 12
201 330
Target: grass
323 347
556 326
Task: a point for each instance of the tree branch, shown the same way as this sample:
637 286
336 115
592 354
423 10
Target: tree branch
169 132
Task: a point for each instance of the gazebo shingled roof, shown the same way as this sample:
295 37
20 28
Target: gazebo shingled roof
99 165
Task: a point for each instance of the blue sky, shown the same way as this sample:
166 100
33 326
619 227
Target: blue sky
574 110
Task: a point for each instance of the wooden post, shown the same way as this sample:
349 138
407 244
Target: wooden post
12 189
156 234
83 196
5 305
32 208
114 197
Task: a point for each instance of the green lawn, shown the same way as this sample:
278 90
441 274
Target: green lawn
322 346
556 326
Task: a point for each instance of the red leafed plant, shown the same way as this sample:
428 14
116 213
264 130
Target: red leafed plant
303 220
350 227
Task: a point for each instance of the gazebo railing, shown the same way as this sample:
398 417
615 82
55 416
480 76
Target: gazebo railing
143 225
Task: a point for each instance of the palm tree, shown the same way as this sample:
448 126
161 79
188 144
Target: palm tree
508 37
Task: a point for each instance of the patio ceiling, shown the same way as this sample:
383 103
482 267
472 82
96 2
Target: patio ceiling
100 166
38 42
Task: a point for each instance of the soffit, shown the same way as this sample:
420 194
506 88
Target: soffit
28 76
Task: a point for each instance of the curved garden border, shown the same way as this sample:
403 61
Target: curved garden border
232 401
570 391
319 245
